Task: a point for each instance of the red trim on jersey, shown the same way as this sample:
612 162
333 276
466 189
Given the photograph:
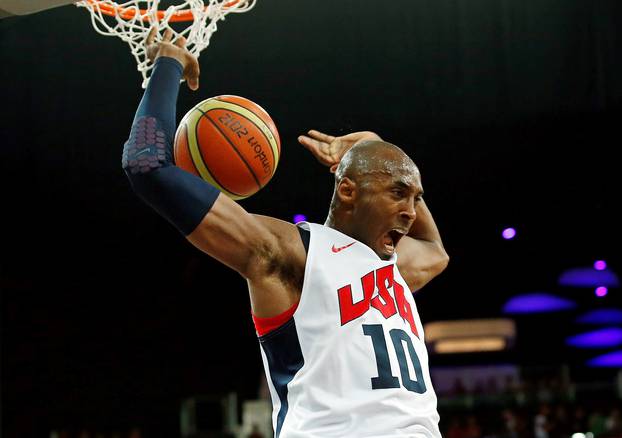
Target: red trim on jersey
266 325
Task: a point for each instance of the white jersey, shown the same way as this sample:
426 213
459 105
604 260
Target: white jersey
352 361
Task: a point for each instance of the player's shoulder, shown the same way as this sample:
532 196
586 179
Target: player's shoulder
276 225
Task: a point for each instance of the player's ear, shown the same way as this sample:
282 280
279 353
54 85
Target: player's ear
346 190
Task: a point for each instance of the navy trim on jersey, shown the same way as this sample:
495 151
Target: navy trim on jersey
305 235
284 357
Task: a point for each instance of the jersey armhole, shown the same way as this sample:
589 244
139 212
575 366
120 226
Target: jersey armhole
263 326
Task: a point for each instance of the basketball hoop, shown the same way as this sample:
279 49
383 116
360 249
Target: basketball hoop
132 20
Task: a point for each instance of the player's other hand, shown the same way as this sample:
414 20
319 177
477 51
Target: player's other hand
176 50
329 149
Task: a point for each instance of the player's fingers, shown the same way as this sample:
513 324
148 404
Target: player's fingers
193 76
168 35
193 84
316 149
321 136
151 37
181 42
309 142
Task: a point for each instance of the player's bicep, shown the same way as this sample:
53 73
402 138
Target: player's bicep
420 261
234 237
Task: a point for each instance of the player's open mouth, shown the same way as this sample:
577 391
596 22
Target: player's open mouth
392 238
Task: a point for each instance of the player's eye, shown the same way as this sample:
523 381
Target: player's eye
398 192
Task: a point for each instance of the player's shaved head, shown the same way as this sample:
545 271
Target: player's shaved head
375 157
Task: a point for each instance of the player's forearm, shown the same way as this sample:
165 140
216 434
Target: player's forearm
424 227
153 128
180 197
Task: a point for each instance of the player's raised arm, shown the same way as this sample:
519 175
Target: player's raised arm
214 223
422 254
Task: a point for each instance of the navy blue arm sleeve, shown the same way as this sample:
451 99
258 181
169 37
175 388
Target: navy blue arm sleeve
180 197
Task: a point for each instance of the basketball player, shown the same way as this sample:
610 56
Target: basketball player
340 335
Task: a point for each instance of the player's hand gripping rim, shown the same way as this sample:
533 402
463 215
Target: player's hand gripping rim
176 50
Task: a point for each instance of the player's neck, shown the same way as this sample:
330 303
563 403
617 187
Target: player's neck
336 222
330 220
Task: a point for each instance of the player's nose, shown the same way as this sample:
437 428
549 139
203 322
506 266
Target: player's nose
408 212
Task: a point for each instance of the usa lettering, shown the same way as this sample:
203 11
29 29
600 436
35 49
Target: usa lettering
386 303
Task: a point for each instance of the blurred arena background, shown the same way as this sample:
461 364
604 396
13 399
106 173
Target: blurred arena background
113 326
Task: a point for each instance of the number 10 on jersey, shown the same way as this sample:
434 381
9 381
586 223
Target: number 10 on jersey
385 378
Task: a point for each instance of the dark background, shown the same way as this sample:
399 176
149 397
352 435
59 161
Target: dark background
511 109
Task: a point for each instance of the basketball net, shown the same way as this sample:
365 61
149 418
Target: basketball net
132 20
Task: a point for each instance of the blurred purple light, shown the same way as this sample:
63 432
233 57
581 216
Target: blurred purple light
588 277
537 302
613 359
600 265
299 218
508 233
602 338
601 291
601 316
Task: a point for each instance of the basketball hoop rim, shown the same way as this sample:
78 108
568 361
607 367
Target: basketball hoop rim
113 9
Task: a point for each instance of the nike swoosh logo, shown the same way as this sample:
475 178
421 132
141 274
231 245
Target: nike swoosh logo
341 248
143 151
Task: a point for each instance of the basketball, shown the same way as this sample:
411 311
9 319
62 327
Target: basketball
230 142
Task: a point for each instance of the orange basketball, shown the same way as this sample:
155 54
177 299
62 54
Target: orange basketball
230 142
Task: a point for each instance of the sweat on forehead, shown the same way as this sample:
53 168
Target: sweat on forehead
375 157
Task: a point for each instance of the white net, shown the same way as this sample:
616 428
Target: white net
131 21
